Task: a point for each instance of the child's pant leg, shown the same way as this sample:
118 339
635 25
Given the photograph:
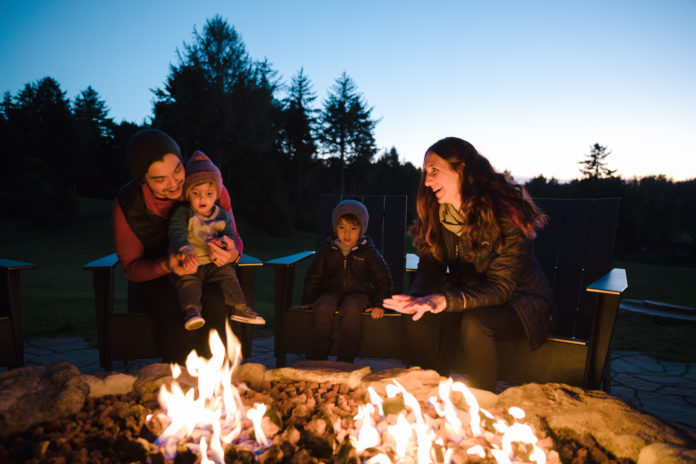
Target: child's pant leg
323 311
189 290
351 310
226 278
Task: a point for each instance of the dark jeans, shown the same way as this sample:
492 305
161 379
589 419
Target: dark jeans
189 287
350 309
479 328
159 299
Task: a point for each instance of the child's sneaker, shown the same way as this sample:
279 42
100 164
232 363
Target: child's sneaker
193 319
246 315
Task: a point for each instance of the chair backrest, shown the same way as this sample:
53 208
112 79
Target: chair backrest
575 249
387 227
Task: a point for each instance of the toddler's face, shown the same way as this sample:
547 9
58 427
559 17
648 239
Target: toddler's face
347 233
202 198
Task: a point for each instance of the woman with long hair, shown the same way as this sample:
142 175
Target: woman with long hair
473 233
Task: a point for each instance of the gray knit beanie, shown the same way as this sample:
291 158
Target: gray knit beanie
145 147
355 208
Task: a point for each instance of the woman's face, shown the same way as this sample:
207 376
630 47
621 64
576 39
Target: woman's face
442 180
166 177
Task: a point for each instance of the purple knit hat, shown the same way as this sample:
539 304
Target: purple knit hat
200 169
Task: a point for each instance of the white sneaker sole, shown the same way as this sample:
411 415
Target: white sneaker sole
194 324
246 320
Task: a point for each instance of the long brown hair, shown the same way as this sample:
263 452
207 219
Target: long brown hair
487 196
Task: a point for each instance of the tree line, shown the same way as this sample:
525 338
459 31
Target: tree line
277 146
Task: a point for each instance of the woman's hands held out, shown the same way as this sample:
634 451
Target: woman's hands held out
418 306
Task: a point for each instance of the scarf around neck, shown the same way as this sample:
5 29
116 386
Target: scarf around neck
452 219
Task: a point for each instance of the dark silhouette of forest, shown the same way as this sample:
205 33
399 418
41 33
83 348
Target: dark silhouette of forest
278 148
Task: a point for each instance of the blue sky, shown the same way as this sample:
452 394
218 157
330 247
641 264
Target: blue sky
532 84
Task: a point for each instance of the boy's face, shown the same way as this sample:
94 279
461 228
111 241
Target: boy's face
348 234
202 198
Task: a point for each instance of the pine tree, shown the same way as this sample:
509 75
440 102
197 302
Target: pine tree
594 166
298 127
346 125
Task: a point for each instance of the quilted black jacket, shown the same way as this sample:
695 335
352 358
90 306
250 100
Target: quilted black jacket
363 270
511 275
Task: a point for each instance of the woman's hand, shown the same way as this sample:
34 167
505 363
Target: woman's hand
221 256
407 304
376 312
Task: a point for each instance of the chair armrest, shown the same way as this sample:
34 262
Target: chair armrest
290 260
412 262
105 262
247 261
606 291
11 265
613 282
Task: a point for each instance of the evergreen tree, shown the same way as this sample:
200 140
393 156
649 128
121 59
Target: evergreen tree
96 162
40 134
594 166
346 125
299 121
216 99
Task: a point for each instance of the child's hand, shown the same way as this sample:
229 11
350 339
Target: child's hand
190 260
178 264
376 313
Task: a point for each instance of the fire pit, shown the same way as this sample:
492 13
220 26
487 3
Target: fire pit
215 411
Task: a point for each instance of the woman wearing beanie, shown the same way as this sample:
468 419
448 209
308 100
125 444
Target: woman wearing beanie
140 218
479 225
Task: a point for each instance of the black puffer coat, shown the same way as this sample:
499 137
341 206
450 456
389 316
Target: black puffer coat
511 276
363 270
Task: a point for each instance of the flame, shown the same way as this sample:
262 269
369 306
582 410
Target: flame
210 415
435 443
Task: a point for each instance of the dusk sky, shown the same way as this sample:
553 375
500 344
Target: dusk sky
531 84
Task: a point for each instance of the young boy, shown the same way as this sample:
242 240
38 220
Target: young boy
191 228
348 275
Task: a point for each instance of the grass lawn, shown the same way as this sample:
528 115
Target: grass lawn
57 297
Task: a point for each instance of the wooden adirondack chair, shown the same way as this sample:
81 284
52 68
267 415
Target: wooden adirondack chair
382 338
11 339
124 336
575 250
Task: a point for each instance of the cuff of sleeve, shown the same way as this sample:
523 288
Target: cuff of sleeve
454 303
